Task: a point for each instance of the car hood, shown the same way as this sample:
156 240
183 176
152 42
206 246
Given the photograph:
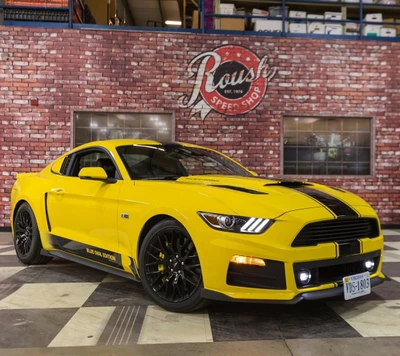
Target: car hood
275 196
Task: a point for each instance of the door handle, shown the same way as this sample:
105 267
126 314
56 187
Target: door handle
58 191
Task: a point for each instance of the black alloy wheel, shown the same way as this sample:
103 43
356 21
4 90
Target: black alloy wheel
170 267
23 233
27 238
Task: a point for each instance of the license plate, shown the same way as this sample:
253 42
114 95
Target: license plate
356 285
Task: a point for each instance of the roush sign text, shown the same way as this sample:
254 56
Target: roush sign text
231 80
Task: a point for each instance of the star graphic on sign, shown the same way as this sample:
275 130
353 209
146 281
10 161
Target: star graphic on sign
227 54
238 54
248 59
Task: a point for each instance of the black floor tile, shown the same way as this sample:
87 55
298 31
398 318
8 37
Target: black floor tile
10 261
8 289
243 322
391 269
392 238
389 248
32 327
118 293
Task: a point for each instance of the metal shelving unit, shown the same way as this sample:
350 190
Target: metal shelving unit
357 9
43 16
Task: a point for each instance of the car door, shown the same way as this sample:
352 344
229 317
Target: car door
85 211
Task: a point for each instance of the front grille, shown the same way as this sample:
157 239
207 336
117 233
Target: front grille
339 230
329 271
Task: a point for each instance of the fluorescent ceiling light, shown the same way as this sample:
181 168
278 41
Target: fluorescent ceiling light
169 22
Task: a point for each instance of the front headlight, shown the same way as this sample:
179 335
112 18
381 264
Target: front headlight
240 224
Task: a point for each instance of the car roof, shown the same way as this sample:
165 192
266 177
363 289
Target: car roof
126 141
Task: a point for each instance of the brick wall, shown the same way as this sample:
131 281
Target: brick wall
68 70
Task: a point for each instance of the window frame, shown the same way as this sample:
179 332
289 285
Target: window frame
86 110
372 147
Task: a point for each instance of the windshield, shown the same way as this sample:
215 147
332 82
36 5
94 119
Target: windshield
171 161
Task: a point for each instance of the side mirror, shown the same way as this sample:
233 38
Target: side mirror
254 173
95 173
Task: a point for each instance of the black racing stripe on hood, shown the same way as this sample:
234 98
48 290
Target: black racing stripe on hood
336 206
239 189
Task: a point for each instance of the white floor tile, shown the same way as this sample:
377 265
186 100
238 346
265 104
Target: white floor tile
391 256
49 295
9 253
5 246
390 232
395 245
6 272
161 326
371 318
84 328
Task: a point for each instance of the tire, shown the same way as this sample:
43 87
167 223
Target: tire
170 269
27 241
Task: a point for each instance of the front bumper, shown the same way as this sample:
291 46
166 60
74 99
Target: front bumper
315 295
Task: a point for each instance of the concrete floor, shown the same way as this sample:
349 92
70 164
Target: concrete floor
233 329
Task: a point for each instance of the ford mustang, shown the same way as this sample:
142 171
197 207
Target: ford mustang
193 225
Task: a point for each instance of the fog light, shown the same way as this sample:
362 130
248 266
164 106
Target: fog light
245 260
369 265
304 276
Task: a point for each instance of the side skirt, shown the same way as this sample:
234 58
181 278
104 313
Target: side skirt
86 262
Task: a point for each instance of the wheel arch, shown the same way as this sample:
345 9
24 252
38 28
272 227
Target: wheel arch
149 224
36 208
19 203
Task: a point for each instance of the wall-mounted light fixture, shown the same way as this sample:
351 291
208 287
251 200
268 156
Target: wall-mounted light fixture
174 23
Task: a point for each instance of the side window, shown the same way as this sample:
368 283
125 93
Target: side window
94 159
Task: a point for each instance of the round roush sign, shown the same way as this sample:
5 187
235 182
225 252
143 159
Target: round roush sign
231 80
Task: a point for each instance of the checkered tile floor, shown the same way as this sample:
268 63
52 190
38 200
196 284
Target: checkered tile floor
66 304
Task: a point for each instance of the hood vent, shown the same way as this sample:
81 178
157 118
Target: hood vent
289 184
240 189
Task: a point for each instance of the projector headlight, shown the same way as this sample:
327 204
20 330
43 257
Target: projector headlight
239 224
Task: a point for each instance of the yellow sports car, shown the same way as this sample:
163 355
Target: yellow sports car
194 225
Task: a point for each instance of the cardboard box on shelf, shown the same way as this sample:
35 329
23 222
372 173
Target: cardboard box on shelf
270 25
276 11
258 12
227 9
371 30
195 19
232 24
297 28
373 17
333 15
333 29
315 16
316 28
387 32
298 14
351 28
394 26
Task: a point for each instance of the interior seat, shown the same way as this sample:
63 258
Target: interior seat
108 165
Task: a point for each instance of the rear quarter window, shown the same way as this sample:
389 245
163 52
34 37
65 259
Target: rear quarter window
60 165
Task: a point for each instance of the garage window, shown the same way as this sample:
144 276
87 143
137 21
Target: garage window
326 146
94 126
